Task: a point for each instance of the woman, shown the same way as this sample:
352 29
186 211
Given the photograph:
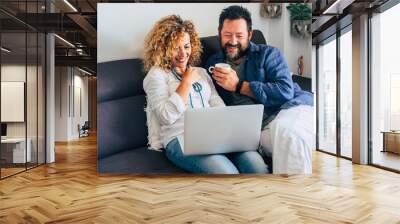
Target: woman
172 85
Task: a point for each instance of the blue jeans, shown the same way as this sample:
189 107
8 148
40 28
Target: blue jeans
230 163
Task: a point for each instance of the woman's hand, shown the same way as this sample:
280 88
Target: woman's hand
191 75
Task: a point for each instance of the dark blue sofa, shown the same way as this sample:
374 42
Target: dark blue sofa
122 130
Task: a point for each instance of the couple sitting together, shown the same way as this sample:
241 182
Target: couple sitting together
258 75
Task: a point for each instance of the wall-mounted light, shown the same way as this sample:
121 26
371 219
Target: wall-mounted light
64 40
70 5
80 51
337 7
5 50
84 71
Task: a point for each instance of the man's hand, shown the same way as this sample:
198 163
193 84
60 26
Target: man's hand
226 78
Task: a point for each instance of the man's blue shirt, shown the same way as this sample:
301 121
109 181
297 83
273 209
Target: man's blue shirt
269 78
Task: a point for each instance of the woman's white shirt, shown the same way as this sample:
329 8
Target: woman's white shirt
168 108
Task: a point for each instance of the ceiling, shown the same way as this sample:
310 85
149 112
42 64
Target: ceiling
76 24
330 16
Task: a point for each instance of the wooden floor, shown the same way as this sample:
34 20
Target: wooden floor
70 191
9 171
5 172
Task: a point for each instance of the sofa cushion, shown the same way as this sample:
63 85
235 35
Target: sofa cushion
118 79
211 46
258 37
304 82
139 160
122 125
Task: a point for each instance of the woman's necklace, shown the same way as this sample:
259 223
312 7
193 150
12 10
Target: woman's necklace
196 86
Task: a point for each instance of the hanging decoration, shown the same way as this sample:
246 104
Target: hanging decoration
300 19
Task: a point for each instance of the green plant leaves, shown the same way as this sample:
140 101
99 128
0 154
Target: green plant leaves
299 11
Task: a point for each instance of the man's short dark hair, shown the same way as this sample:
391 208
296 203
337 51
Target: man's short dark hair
235 12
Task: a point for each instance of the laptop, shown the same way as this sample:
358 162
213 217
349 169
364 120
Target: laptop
216 130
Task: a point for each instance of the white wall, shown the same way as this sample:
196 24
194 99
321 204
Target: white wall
67 80
279 36
12 101
62 81
295 47
16 72
123 27
80 84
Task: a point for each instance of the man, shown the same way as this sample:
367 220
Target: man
260 74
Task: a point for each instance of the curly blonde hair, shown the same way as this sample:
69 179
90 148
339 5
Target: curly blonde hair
164 36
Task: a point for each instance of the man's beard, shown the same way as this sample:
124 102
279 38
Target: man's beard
235 56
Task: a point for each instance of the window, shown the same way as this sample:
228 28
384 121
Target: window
385 88
327 97
346 93
22 65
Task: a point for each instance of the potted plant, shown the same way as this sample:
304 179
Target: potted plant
300 19
271 10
